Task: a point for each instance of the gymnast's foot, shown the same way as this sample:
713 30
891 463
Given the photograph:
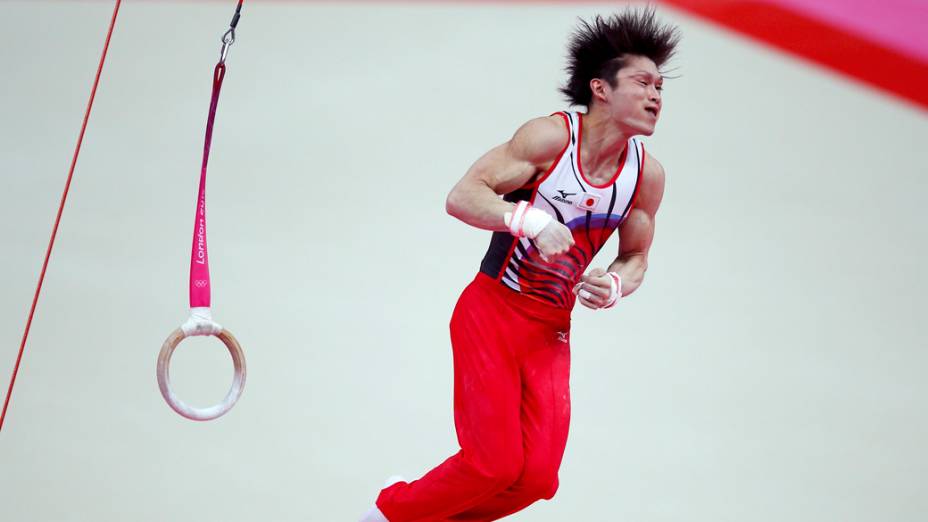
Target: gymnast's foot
374 514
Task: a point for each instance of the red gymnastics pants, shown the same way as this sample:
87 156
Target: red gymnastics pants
511 411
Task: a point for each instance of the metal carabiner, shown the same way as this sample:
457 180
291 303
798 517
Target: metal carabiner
227 40
229 37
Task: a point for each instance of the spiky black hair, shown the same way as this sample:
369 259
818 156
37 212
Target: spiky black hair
598 49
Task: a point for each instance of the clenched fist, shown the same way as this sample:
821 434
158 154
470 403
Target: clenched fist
599 289
553 240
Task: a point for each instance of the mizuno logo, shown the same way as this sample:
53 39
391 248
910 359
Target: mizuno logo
563 197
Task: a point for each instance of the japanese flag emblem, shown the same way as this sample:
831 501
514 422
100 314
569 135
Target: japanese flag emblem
588 201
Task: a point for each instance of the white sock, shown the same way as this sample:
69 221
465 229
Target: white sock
393 480
374 514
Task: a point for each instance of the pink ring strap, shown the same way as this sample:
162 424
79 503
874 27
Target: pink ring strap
199 256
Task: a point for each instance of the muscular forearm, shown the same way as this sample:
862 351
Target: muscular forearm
631 268
476 204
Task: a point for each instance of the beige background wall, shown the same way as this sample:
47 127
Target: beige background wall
771 368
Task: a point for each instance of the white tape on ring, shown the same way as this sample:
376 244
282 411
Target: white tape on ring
200 322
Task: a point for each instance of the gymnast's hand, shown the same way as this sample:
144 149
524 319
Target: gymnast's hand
553 240
599 289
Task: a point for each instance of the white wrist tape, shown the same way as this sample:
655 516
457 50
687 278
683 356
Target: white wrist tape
615 292
526 221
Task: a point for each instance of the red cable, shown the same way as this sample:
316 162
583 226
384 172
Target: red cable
64 197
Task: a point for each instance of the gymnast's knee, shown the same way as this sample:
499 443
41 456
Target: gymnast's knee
502 472
539 485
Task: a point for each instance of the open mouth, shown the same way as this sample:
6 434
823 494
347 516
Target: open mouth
652 111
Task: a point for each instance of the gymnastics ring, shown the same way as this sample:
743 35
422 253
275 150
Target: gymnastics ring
164 378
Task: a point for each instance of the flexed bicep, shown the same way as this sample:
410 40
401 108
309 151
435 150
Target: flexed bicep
503 169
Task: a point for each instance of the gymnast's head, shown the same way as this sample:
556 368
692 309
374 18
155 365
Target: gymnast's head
614 67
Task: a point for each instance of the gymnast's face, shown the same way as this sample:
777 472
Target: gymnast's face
635 102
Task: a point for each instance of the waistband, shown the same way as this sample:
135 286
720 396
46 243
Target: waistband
527 306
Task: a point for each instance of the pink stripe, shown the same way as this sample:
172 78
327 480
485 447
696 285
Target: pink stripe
897 24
